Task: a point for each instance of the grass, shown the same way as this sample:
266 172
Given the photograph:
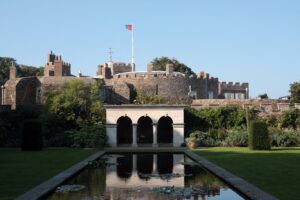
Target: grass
276 172
20 171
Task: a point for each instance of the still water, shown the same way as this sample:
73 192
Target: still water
144 177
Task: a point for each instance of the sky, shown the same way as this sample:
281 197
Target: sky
255 41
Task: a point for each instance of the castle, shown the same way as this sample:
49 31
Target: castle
121 82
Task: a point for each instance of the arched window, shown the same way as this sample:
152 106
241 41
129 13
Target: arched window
165 130
124 130
145 130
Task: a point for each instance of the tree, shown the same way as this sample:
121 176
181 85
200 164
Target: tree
5 63
22 70
78 104
160 64
295 92
25 71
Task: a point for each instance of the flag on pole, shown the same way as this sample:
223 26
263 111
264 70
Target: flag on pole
129 27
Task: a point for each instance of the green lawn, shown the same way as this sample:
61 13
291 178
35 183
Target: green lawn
20 171
276 172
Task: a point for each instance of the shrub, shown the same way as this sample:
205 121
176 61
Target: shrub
291 119
236 137
204 139
32 138
285 138
88 136
192 142
258 135
217 134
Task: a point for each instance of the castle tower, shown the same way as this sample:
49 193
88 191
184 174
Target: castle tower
56 67
169 69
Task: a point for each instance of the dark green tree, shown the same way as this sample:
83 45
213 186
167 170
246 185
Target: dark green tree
5 63
160 64
77 104
25 71
295 92
22 70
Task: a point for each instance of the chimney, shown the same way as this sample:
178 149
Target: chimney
169 69
12 71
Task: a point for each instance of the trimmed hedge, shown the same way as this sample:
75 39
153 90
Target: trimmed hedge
32 137
258 136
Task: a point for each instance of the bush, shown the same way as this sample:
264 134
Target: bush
88 136
32 138
214 118
192 142
218 134
236 137
281 138
258 136
291 119
204 139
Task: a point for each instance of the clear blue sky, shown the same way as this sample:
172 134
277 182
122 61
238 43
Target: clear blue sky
255 41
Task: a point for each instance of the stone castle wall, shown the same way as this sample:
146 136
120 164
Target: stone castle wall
266 106
234 90
168 85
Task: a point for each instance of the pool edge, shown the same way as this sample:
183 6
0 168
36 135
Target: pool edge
49 185
245 188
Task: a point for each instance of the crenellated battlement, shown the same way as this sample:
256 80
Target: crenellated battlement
236 84
170 83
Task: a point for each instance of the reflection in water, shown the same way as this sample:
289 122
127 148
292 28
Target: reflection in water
132 176
124 166
165 163
144 165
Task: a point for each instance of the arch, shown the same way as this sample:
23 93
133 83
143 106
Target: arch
124 166
145 130
144 165
124 130
165 130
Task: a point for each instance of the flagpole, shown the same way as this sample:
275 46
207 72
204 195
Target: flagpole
132 50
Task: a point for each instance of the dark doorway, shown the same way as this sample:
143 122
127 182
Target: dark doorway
124 130
144 165
164 163
144 130
165 130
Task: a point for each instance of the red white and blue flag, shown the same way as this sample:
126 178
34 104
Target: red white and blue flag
129 27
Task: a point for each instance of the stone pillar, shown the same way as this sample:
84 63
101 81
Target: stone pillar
134 135
2 90
111 131
154 135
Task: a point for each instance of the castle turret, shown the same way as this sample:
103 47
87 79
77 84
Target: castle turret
169 69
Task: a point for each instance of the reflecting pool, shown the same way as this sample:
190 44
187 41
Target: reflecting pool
144 177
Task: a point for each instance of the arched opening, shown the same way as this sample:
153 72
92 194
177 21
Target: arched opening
124 166
165 163
165 130
144 130
124 130
144 165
